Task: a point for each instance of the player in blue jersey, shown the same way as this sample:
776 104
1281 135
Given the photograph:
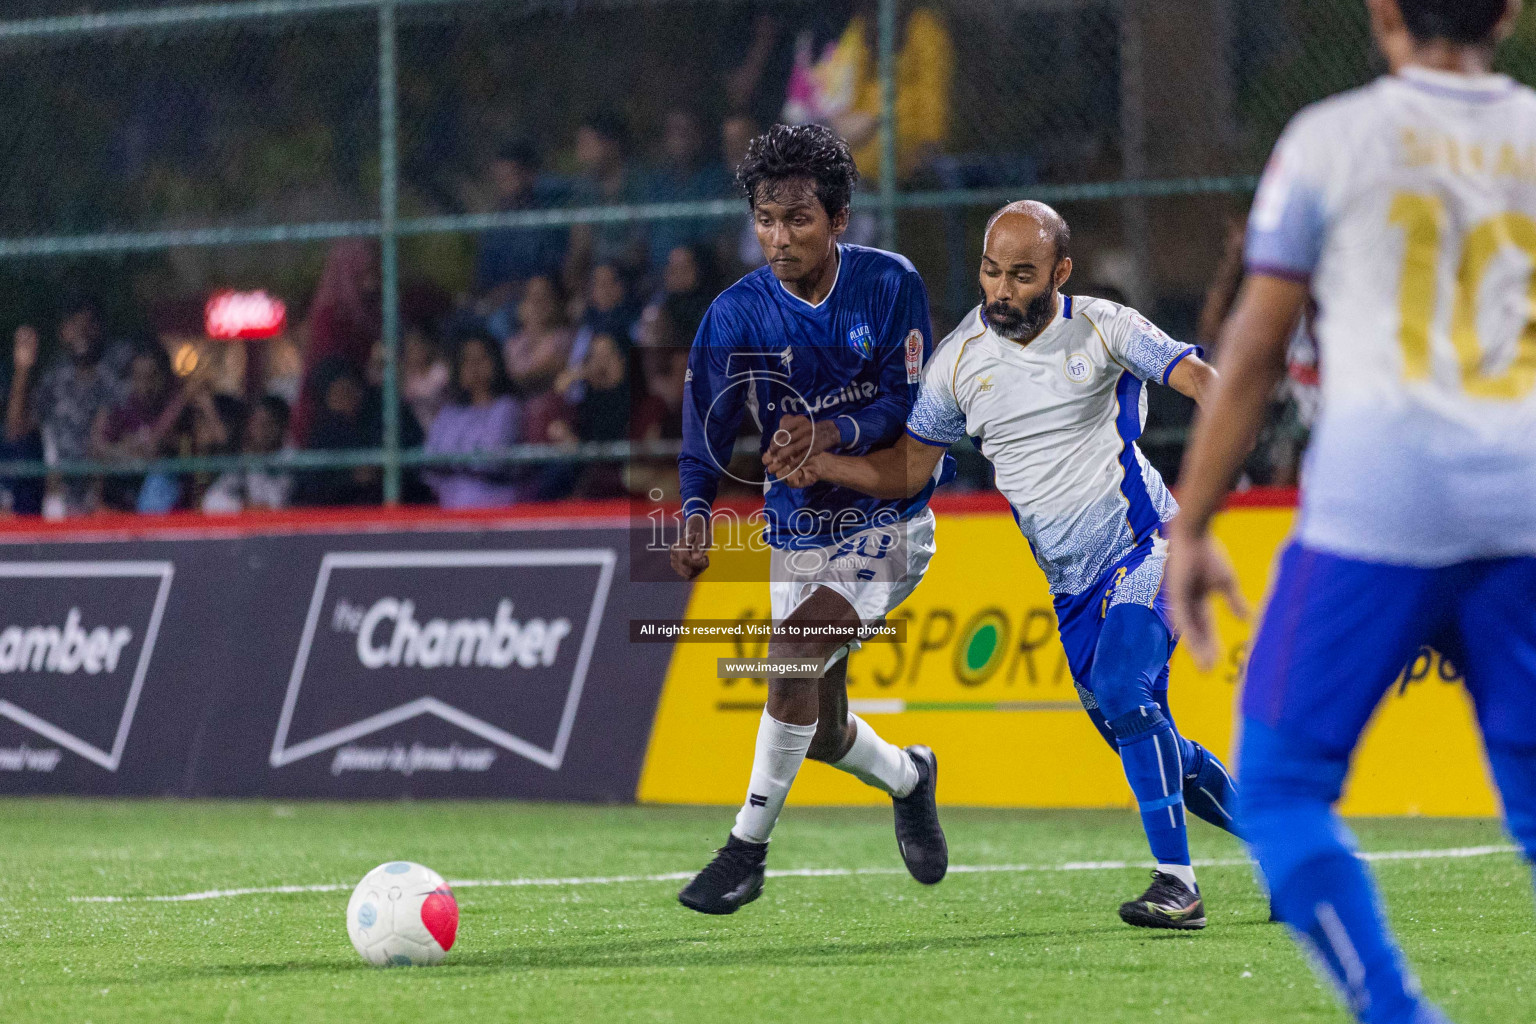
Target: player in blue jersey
829 338
1407 211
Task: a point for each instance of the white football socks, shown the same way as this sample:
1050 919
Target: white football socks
780 750
877 762
1183 872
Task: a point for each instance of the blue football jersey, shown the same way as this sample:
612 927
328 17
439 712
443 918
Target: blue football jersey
856 358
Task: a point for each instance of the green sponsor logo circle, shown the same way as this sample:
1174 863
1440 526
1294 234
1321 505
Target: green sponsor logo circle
982 646
979 651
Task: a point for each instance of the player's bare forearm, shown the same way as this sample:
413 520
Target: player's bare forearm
1253 344
880 474
1194 378
899 471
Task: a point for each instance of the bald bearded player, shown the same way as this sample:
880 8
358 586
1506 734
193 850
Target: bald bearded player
1051 388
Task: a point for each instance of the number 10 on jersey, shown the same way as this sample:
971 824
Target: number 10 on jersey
1423 220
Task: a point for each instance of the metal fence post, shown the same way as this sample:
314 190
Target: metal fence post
389 253
886 46
1133 144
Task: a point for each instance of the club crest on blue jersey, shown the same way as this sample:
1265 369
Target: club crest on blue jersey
862 339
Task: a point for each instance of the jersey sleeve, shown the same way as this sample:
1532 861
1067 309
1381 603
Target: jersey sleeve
936 417
904 344
712 411
1286 224
1142 347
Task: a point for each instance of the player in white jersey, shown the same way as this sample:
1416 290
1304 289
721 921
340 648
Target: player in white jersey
1051 388
1408 210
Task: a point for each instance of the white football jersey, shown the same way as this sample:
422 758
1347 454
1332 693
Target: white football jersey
1058 419
1410 206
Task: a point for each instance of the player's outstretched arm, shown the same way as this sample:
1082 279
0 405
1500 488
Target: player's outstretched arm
899 471
1194 378
1252 360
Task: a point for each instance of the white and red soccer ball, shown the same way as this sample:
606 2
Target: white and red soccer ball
402 915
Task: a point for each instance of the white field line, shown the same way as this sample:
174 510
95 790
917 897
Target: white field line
682 876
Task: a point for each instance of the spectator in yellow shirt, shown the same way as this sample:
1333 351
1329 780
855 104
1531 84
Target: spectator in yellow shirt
841 89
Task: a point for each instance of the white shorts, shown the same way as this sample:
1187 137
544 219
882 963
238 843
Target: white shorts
874 570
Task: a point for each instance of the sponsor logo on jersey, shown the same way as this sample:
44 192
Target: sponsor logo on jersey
983 383
1146 326
786 357
688 377
914 354
1078 368
851 393
862 338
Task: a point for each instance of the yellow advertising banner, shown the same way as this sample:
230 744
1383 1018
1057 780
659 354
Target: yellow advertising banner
982 678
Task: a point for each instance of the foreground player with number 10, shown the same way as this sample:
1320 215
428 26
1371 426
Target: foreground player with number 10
1407 210
1051 387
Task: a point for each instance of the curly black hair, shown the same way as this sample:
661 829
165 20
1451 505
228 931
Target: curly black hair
1459 21
787 153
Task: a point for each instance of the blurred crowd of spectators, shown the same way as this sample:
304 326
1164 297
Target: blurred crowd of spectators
526 360
121 400
545 351
563 335
566 334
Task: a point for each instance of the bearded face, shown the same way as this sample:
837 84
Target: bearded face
1023 323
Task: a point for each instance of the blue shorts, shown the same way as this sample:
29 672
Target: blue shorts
1135 579
1338 632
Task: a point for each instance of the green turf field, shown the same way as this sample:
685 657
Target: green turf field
1008 945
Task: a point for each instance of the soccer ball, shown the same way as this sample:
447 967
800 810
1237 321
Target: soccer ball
402 915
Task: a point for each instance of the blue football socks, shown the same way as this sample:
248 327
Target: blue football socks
1319 889
1129 660
1210 793
1149 750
